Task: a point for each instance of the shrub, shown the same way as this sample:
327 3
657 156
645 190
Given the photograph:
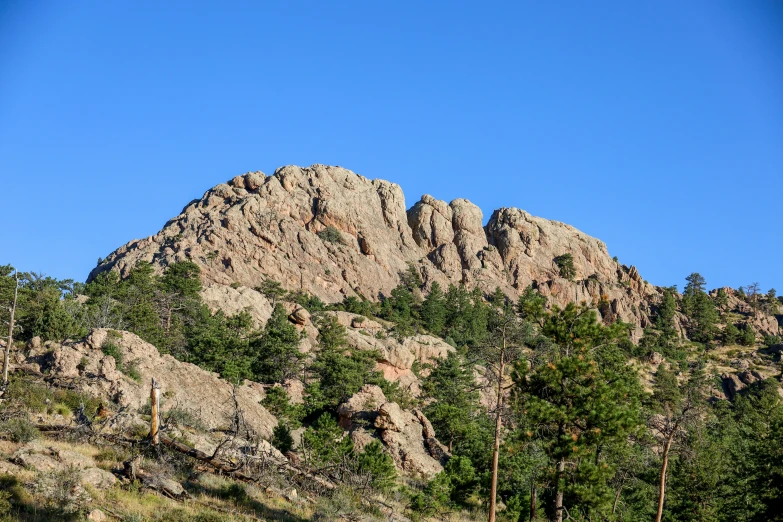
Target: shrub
132 370
771 341
378 466
19 430
74 400
331 235
61 409
183 417
5 502
282 439
12 491
29 395
565 265
111 349
62 490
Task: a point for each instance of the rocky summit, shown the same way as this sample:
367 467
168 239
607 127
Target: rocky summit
332 233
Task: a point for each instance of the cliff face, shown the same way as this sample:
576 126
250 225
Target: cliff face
282 227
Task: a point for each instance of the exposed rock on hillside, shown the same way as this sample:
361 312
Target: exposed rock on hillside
408 436
184 385
396 357
333 233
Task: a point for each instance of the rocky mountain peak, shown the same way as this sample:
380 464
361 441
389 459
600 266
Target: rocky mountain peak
332 233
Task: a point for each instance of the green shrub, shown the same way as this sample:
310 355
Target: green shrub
111 349
19 430
565 265
62 490
5 502
331 235
183 417
748 336
74 400
132 370
282 439
61 409
378 466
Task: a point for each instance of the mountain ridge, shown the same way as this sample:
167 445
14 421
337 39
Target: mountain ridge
333 233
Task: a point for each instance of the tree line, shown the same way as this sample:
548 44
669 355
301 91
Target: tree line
542 408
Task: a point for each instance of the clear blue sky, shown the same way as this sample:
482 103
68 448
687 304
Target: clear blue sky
655 126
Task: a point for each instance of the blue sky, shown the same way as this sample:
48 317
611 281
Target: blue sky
655 126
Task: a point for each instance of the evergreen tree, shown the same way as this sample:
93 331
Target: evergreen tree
466 316
699 309
376 467
731 334
278 357
664 319
578 397
433 310
400 308
678 408
452 384
338 371
531 305
502 348
221 344
565 265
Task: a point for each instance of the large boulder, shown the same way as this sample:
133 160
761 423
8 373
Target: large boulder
184 385
407 435
44 458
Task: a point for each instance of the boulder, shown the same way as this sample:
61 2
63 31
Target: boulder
97 478
407 436
184 385
390 417
165 485
732 385
96 515
300 316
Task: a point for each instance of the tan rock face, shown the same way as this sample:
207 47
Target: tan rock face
184 385
408 436
257 227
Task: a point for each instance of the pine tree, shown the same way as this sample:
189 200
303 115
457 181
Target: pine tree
452 384
502 348
338 371
531 305
579 396
699 309
679 406
433 310
278 356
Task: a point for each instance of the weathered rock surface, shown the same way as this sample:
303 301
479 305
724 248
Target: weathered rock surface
257 227
408 436
184 385
43 458
396 357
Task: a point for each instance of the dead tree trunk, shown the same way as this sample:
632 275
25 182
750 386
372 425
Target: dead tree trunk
155 417
7 352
